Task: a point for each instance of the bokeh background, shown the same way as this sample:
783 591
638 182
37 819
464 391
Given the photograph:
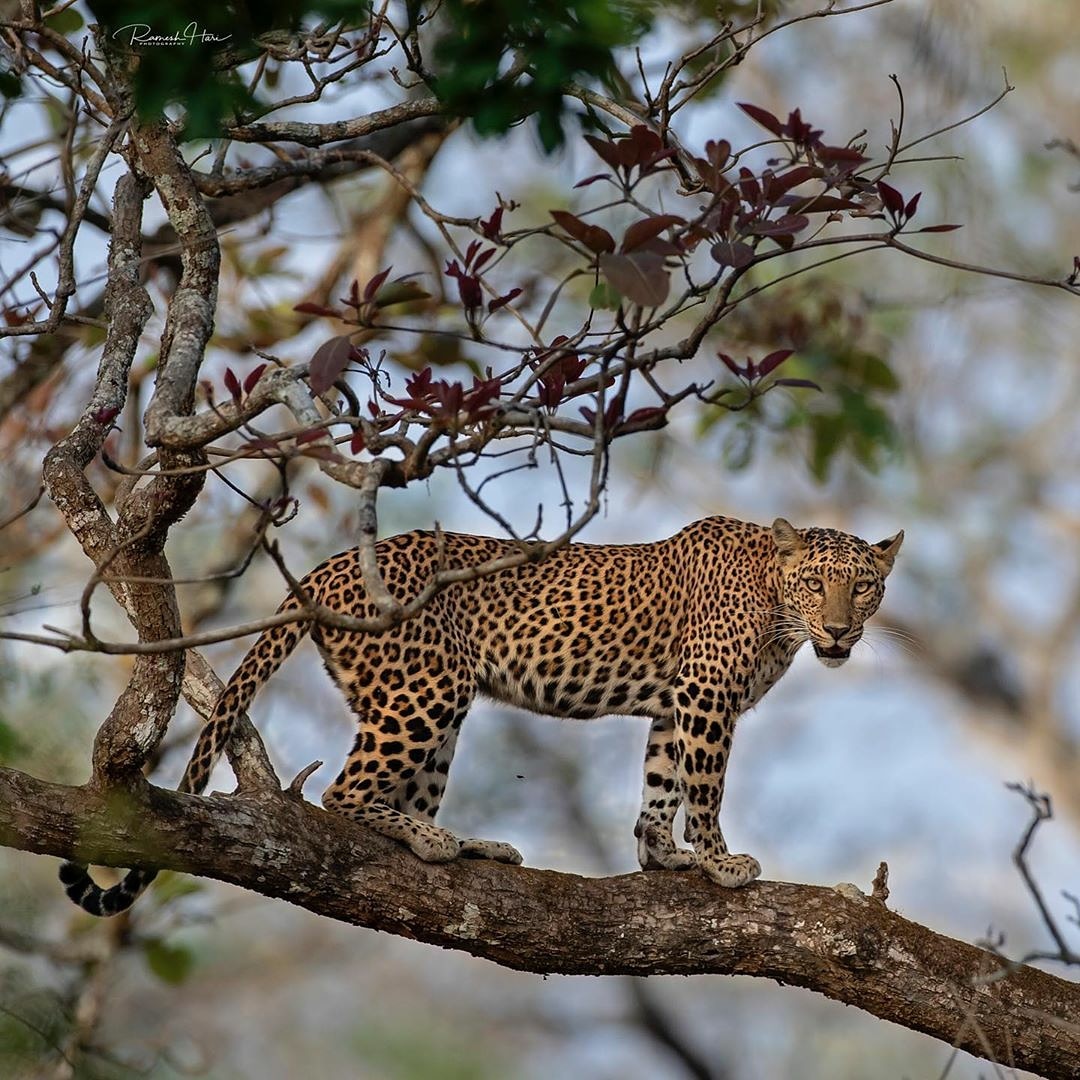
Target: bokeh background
973 447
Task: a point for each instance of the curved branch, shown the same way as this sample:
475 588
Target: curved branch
838 943
319 134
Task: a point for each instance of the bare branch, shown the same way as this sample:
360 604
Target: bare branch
320 134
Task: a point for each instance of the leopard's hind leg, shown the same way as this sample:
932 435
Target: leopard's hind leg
422 795
661 798
409 703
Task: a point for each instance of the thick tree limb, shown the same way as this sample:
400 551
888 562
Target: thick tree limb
850 949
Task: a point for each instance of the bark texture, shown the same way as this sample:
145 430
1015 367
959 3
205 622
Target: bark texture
837 943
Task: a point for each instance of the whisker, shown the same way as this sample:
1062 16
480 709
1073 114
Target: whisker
906 646
786 628
878 659
894 630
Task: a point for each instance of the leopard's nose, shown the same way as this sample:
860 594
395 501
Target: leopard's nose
837 631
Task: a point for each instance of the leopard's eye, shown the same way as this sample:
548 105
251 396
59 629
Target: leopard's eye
863 587
813 584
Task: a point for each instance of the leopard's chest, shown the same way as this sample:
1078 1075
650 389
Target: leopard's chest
769 667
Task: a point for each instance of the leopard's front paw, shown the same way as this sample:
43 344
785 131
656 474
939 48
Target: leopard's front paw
731 871
432 844
490 849
657 851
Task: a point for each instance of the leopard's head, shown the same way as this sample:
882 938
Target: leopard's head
831 583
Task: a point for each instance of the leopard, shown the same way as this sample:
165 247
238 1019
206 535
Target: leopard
689 632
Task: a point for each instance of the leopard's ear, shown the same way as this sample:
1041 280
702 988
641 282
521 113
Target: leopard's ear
788 541
885 551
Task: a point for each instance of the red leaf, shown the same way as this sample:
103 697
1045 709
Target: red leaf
253 377
375 284
628 153
481 259
329 361
840 160
13 318
912 206
648 229
308 308
420 384
646 140
773 361
502 301
472 296
892 199
592 236
718 153
836 154
763 117
939 228
492 228
748 185
782 184
232 383
719 219
356 443
451 396
817 204
592 179
787 225
646 419
639 277
607 150
570 222
731 365
736 254
479 399
799 131
310 435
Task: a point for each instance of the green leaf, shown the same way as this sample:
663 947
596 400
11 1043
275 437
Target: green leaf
67 21
604 298
826 435
11 746
169 886
550 45
877 374
170 963
10 85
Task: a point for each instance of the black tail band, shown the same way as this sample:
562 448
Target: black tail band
84 891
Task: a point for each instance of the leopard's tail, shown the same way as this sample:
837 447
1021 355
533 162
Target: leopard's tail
262 660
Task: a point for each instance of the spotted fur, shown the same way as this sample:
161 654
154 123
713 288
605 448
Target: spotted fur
691 632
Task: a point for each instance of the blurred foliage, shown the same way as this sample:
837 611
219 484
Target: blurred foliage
25 697
192 74
399 1054
170 962
837 348
552 42
497 63
31 1022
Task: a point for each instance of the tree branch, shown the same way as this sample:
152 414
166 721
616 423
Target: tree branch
844 947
